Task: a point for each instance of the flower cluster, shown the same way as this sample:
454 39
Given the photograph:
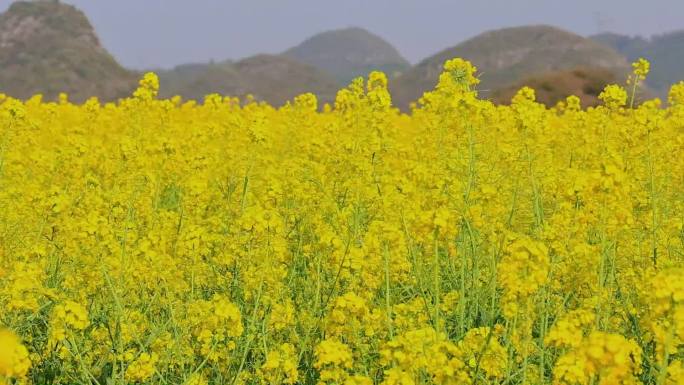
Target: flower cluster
601 358
14 357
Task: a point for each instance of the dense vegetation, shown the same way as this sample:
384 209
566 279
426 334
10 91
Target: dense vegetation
160 242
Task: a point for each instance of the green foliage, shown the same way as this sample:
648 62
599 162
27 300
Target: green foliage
171 197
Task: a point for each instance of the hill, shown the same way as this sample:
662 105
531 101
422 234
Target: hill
271 78
194 81
349 53
48 47
276 79
509 55
665 52
552 87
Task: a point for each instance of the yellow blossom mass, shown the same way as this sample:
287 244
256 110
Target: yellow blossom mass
225 241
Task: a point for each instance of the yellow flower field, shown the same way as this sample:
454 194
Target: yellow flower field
169 242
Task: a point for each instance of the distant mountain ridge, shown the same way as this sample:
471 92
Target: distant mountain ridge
271 78
349 53
665 52
48 47
194 81
508 55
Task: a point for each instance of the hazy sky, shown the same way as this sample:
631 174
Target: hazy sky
163 33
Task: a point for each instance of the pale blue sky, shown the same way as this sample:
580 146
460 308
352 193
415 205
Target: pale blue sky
163 33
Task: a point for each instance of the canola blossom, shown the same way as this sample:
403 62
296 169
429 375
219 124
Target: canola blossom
168 242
